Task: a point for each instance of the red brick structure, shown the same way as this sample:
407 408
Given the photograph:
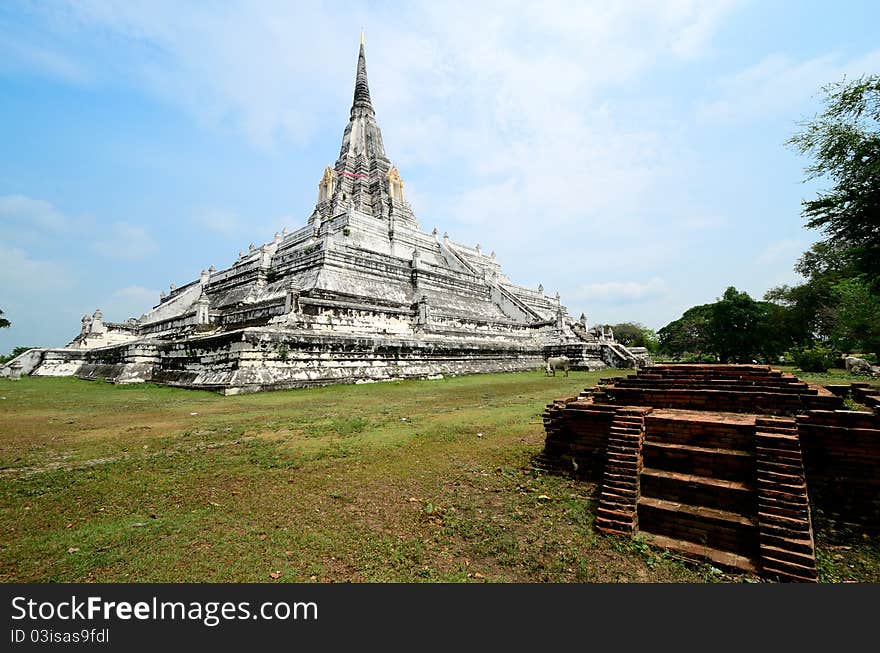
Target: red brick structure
720 462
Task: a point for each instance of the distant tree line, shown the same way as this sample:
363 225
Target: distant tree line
836 310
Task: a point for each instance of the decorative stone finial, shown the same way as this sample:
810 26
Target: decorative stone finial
434 232
477 248
251 247
492 254
284 231
277 237
540 287
212 269
173 287
445 235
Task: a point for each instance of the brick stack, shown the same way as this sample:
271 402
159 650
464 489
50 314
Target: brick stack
577 433
787 547
715 461
697 486
755 389
867 395
617 512
841 451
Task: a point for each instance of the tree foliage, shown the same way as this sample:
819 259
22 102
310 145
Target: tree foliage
4 323
844 142
736 328
635 334
689 334
839 303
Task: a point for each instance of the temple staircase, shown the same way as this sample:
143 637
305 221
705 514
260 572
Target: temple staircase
697 487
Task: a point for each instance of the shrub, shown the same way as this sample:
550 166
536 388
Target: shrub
813 359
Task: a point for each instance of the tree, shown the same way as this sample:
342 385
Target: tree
634 334
844 141
4 323
735 328
689 334
856 326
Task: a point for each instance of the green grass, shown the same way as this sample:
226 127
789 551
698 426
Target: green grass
834 375
407 481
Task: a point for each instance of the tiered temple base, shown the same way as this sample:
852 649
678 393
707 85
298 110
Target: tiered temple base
709 461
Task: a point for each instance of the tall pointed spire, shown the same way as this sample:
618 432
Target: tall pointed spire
362 135
361 178
361 87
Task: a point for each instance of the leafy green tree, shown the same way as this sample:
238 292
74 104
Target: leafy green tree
835 305
844 142
736 328
635 334
857 320
689 334
4 323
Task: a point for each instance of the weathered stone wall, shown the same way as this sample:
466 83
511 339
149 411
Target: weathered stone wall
251 360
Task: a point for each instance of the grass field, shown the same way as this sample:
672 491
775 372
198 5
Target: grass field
406 481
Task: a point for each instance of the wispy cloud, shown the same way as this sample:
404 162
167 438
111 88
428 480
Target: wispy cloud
24 274
223 222
785 251
125 242
16 54
131 301
29 212
778 82
629 291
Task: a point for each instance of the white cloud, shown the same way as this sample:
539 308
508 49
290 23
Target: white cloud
125 242
779 82
624 291
223 222
131 301
24 275
18 53
28 212
784 251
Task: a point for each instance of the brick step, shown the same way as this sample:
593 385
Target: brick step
702 553
782 441
789 571
719 529
725 385
791 510
807 560
724 464
761 429
708 432
695 489
793 468
764 420
800 525
771 453
800 545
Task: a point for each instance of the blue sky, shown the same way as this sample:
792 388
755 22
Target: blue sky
628 155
